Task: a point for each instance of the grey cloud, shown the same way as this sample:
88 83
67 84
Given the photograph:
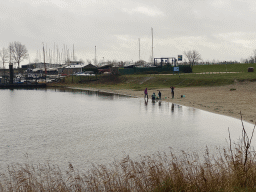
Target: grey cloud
86 24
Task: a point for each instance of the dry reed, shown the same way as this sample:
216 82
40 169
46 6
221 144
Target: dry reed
231 169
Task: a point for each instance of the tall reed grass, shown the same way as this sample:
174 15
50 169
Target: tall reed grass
232 169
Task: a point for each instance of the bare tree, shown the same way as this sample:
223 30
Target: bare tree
253 57
4 54
18 52
193 57
140 63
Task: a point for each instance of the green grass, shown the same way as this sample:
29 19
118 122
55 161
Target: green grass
211 75
222 68
153 81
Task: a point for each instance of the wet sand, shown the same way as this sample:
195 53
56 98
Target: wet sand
227 100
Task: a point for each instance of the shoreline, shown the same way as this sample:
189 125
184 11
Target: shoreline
227 100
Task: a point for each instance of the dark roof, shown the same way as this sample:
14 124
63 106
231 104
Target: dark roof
90 66
129 66
106 66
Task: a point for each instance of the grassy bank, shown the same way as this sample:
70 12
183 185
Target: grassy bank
223 68
153 81
232 169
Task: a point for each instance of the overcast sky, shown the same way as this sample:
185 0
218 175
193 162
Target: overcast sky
217 29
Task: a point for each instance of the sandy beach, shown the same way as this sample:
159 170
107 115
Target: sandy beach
227 100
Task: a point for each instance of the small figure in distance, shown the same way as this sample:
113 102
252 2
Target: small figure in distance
172 88
146 93
159 95
153 96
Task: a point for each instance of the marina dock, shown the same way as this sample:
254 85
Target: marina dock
22 86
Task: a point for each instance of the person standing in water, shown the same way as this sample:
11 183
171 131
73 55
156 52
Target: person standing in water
153 97
159 95
172 88
146 93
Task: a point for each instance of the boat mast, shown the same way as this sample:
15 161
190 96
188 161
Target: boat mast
95 63
139 49
44 62
152 45
73 52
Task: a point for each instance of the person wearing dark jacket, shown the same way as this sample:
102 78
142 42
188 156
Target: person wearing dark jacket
153 96
159 95
172 88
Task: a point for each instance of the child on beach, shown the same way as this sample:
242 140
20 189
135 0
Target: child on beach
153 96
146 93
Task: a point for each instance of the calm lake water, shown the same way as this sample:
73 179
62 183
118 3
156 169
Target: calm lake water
84 127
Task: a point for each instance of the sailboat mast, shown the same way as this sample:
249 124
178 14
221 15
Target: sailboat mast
73 52
44 62
152 46
139 49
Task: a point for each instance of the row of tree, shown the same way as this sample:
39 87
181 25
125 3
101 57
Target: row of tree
15 53
251 59
194 58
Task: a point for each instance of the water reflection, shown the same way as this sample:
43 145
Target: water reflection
176 107
159 106
89 126
146 101
97 93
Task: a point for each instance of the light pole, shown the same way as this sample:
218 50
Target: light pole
152 46
4 73
95 62
139 49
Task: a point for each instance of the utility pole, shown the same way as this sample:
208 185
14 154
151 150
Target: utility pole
53 56
11 66
44 63
73 52
4 74
95 63
139 49
3 64
152 45
10 54
57 55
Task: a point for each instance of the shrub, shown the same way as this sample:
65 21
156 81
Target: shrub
186 68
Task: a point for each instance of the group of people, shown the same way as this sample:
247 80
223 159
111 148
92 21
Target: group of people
159 94
155 97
